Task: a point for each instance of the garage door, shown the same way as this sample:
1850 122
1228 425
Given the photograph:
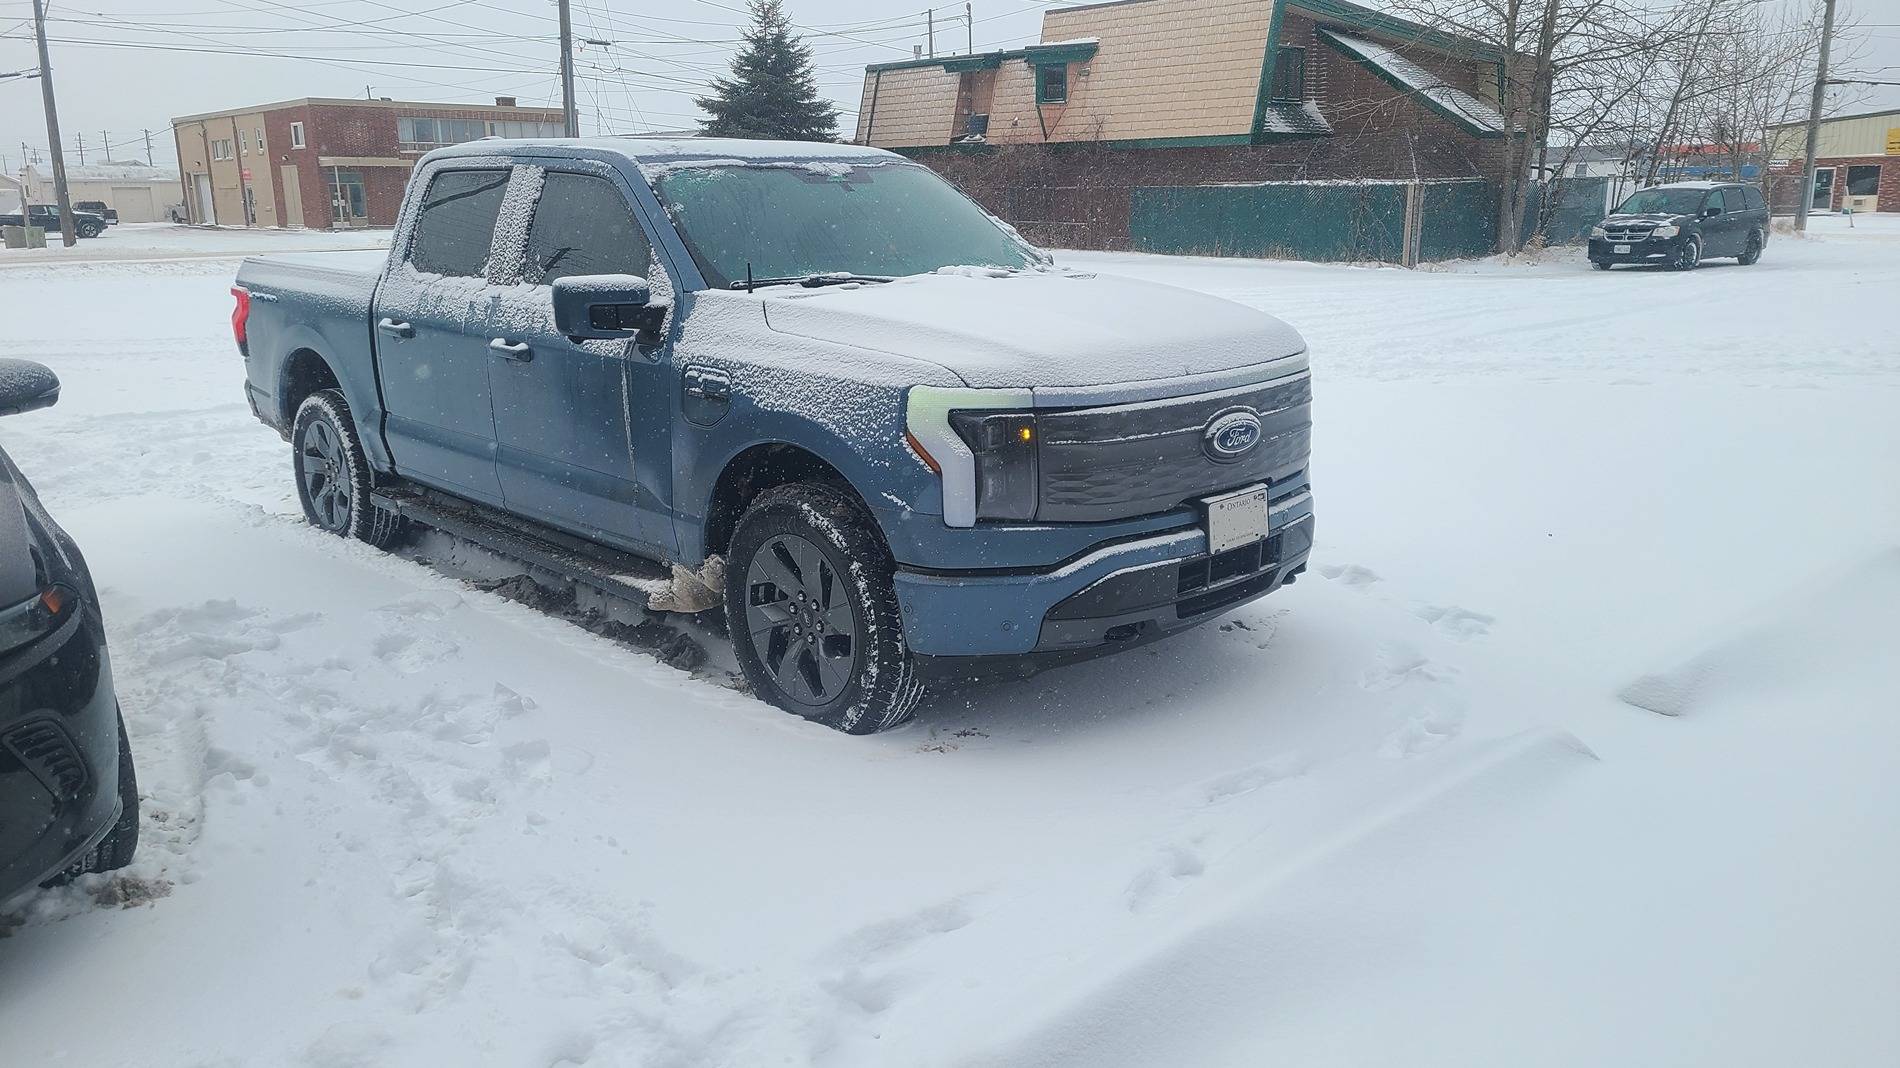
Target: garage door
135 203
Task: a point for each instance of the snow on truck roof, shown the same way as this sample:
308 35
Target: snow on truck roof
1694 185
649 151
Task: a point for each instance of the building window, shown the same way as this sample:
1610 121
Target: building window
421 132
520 128
1052 84
1863 181
244 143
260 139
1289 74
221 149
296 135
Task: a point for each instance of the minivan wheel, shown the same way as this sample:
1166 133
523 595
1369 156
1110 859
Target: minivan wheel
1688 254
333 481
813 612
1752 251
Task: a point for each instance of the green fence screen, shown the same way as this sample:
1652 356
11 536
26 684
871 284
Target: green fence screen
1281 220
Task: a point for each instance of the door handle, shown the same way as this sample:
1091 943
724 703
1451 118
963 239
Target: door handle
395 328
518 351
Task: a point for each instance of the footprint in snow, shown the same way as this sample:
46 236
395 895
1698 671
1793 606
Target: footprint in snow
1461 624
1349 574
1234 784
1164 878
1427 728
412 653
1399 664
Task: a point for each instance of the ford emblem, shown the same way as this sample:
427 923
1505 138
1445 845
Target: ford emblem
1231 436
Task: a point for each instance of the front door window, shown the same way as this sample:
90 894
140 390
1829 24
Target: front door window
1823 189
346 198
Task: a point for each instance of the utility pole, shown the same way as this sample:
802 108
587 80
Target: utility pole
148 148
66 234
105 148
1814 121
969 30
570 118
930 31
80 140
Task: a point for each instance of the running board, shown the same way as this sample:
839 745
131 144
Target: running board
612 572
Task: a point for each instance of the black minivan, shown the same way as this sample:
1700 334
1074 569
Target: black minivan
1682 224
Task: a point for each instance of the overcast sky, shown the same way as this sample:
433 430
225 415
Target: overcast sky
122 66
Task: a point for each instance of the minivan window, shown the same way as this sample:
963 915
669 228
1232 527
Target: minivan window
1719 200
1663 202
793 219
457 222
582 225
1752 196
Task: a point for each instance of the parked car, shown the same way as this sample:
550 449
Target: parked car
69 799
46 217
1682 224
100 208
915 446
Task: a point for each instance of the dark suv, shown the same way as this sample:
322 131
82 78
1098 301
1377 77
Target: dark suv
1681 225
46 217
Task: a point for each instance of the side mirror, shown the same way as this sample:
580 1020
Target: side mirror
606 306
1711 212
25 386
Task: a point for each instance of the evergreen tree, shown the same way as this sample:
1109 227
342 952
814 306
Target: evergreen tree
773 92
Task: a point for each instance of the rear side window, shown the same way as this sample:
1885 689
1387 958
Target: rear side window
1754 198
457 224
1718 200
583 225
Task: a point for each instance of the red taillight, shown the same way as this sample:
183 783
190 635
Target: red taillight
240 315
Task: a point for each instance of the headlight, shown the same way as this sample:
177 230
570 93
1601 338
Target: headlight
1598 231
30 620
1004 444
1666 230
973 439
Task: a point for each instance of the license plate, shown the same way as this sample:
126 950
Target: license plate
1622 250
1234 519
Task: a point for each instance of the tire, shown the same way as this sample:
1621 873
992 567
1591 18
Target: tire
89 230
333 480
115 850
813 613
1601 265
1751 253
1688 255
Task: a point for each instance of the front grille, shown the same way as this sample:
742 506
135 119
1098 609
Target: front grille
1128 460
1632 232
50 755
1207 572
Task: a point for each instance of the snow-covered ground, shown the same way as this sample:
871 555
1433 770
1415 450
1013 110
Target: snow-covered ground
170 241
1396 814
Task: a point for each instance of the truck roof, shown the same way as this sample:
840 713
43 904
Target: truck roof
661 150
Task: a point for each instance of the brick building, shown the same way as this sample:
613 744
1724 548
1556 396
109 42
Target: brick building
1857 163
1071 137
327 164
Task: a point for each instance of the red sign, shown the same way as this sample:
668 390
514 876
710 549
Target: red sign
247 174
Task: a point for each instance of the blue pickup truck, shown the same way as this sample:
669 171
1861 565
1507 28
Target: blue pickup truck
894 437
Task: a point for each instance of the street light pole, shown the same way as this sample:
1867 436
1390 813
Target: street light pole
67 235
570 116
1814 122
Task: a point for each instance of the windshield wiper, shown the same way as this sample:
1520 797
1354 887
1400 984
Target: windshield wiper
809 281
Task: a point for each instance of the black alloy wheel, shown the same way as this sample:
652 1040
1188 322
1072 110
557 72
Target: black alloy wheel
1688 254
800 620
324 472
1752 252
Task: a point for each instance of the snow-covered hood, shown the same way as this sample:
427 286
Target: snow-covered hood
1658 217
1037 328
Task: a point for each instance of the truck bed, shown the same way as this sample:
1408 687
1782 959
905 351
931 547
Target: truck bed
315 302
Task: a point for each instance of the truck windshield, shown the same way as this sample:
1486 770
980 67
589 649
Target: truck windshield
793 220
1664 202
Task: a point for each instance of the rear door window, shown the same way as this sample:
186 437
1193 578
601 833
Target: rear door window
1717 200
583 225
1753 198
456 226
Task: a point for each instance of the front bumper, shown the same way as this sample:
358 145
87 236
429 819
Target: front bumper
59 753
1117 594
1648 250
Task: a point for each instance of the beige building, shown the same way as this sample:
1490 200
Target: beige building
327 163
1857 162
137 191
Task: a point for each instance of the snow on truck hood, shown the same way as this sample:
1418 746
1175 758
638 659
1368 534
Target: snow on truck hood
1037 328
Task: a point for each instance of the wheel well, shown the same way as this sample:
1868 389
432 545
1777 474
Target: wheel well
751 473
304 373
